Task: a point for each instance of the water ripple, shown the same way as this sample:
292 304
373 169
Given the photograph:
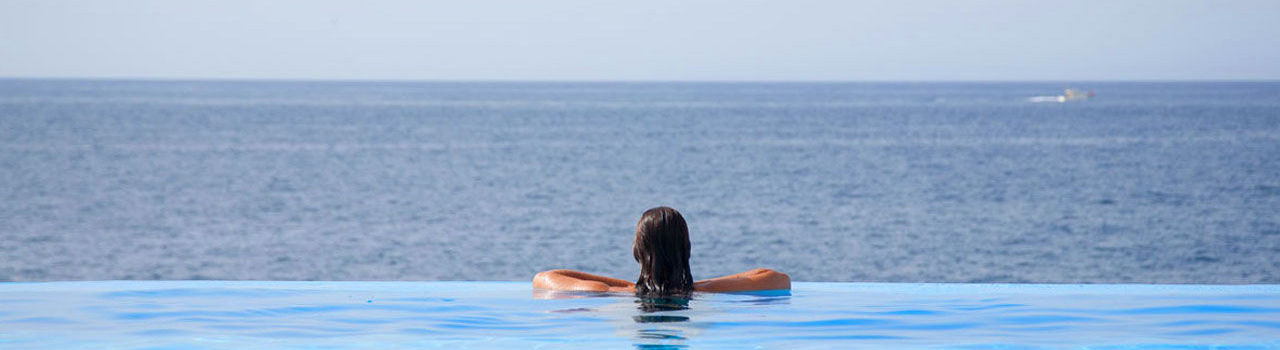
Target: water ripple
1197 309
502 315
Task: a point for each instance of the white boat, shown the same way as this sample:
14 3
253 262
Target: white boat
1068 94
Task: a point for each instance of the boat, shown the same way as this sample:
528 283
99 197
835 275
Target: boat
1068 94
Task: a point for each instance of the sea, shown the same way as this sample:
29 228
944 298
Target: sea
986 182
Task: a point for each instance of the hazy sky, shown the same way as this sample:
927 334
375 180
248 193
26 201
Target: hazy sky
642 40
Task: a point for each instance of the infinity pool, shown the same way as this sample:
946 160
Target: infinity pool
219 314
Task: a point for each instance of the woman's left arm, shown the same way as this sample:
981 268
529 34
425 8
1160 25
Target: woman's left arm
756 279
570 280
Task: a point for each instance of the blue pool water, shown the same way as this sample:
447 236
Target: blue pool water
213 314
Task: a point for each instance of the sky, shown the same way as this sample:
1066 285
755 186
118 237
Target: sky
652 40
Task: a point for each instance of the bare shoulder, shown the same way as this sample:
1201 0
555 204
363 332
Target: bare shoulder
750 280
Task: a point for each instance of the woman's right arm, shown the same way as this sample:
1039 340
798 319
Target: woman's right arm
570 280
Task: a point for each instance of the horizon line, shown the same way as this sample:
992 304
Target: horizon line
637 81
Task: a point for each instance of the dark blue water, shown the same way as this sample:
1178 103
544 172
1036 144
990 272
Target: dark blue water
972 182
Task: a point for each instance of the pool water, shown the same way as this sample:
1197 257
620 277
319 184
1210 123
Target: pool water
269 314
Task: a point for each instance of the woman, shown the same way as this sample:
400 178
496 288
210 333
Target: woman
662 249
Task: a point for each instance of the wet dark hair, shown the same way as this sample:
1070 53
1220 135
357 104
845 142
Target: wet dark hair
662 249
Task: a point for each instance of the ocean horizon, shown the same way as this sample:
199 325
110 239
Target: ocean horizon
984 182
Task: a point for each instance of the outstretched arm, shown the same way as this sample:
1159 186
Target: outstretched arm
757 279
570 280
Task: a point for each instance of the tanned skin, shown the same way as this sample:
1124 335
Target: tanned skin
570 280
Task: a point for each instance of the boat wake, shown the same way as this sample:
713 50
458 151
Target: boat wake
1039 99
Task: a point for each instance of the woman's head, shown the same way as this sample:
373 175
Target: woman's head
662 249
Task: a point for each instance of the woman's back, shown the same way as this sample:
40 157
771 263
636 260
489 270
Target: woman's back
662 250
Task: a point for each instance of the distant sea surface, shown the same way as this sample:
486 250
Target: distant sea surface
899 182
